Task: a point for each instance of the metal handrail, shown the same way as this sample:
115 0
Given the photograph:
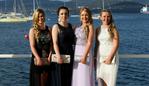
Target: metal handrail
29 55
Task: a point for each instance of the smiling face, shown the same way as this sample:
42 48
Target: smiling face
41 18
84 16
105 18
38 16
63 15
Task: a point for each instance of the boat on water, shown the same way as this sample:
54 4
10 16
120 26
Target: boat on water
97 16
145 9
15 16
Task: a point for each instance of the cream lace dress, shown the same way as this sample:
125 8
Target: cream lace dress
107 72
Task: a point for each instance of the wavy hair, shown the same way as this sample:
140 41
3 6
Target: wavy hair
90 21
36 19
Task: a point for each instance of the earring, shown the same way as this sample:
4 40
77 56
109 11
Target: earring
59 19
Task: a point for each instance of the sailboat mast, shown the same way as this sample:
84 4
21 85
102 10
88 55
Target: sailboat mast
64 3
76 5
103 3
14 6
5 6
33 5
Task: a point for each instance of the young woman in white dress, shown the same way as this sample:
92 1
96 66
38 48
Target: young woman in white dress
106 50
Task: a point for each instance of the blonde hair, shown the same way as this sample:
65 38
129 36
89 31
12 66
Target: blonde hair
90 21
35 21
112 28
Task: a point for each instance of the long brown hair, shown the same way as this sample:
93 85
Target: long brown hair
112 27
90 21
35 21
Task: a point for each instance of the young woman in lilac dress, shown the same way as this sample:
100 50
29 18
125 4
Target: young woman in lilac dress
83 72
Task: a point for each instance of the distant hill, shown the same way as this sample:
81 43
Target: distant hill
123 6
94 5
126 7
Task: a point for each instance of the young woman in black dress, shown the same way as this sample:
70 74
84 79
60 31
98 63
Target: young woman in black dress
41 47
63 41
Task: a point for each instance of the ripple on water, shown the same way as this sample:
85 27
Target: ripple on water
132 72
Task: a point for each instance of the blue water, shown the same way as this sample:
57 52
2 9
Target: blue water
134 39
132 72
133 30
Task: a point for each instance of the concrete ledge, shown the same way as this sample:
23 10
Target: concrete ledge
15 55
29 55
134 55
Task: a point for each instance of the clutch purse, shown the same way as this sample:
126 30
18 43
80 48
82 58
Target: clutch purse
44 60
79 51
66 58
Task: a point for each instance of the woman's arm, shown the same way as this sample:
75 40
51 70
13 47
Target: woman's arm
88 44
51 45
55 42
96 43
32 46
114 48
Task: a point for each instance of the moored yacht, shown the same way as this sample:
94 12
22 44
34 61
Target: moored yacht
145 9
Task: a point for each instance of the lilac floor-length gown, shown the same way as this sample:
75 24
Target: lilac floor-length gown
83 74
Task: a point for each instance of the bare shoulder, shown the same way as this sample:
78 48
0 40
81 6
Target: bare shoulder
55 26
91 26
116 32
55 29
31 33
31 30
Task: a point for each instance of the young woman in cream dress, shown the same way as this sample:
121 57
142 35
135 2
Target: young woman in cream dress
106 50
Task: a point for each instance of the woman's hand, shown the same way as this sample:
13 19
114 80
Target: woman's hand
83 61
59 60
39 62
49 59
107 61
